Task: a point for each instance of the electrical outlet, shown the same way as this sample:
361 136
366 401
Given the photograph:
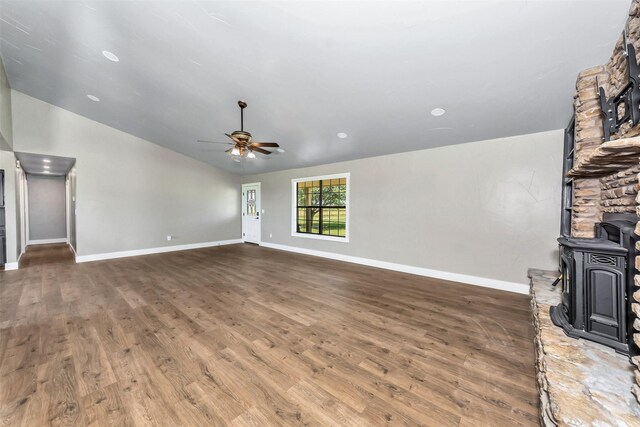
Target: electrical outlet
169 237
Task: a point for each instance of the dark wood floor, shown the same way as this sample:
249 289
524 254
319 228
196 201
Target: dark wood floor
54 253
243 335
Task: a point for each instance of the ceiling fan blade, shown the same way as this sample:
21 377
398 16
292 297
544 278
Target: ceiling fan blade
233 138
213 142
264 144
260 150
229 150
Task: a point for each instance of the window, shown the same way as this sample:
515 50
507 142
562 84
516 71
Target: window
321 207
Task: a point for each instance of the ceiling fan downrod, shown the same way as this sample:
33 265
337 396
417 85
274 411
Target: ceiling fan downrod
242 106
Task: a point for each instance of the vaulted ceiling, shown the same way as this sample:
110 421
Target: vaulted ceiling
309 70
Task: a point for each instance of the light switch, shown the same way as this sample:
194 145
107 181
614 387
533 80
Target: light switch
262 210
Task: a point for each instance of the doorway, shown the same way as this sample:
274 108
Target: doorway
251 213
46 189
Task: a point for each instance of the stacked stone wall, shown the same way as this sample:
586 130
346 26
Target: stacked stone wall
588 136
618 192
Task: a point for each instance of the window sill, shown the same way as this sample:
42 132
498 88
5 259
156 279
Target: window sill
322 237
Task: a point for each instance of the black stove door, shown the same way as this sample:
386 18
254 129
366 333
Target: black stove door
604 296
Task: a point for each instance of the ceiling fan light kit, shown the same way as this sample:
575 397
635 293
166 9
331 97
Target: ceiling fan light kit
243 144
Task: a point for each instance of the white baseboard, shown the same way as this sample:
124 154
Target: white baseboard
436 274
149 251
46 241
11 266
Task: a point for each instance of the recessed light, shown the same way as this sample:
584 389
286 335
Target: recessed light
93 98
110 56
46 160
437 112
342 135
280 150
47 167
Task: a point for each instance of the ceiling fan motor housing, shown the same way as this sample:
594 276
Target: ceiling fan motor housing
242 136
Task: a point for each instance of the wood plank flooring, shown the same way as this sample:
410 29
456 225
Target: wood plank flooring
247 336
54 253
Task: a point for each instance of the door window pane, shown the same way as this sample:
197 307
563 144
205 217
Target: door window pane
251 202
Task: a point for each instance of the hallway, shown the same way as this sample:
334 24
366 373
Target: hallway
55 253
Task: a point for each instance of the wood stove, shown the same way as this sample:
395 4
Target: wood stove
597 280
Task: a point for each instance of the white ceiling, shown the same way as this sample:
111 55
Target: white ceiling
38 164
310 70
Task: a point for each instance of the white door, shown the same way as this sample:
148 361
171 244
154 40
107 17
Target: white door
251 212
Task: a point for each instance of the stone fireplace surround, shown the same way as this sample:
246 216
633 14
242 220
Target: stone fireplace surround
581 383
606 179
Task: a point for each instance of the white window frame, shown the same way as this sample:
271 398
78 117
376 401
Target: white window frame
294 213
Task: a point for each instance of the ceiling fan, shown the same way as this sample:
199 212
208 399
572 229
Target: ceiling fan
243 145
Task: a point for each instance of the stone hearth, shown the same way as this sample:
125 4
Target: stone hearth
581 383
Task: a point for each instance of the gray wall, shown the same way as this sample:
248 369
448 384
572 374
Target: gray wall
130 193
6 132
47 207
488 209
8 163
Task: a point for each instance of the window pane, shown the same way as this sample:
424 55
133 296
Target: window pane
340 199
301 193
333 199
325 228
313 198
